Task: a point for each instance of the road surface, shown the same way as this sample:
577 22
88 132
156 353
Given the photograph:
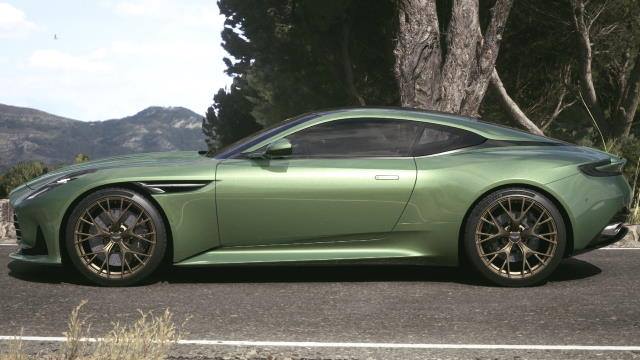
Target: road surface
350 312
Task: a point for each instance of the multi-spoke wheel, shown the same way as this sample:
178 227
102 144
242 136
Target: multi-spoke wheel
515 237
115 237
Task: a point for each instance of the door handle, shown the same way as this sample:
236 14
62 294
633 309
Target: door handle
387 177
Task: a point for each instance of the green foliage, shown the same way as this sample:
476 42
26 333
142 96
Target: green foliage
629 149
20 174
290 57
80 158
542 31
228 119
540 60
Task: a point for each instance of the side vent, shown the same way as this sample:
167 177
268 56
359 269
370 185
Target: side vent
161 187
40 248
17 227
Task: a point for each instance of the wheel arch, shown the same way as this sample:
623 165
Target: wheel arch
553 198
126 185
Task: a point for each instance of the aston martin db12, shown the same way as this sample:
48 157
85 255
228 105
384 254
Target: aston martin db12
363 184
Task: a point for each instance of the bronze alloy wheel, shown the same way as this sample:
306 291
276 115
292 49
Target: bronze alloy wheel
515 237
117 236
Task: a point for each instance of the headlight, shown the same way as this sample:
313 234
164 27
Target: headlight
59 181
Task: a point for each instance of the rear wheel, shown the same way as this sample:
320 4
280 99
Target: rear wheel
115 237
515 237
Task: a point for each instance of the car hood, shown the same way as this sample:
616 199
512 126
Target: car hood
158 159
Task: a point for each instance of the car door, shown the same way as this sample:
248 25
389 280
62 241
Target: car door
347 179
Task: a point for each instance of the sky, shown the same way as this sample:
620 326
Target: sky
104 59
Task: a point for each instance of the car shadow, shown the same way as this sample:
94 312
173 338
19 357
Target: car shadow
568 270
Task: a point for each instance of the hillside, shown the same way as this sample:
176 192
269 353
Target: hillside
30 134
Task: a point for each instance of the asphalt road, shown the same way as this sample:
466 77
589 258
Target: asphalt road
591 300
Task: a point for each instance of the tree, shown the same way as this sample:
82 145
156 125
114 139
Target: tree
228 119
582 61
293 56
80 158
20 174
613 30
449 73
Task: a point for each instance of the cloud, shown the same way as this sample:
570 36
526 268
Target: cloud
55 59
130 8
13 22
120 78
155 52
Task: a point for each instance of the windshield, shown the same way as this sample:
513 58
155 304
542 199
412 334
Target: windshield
255 138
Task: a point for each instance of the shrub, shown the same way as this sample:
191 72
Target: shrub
20 174
148 338
80 158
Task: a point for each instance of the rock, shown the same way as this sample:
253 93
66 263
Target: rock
634 233
6 221
632 239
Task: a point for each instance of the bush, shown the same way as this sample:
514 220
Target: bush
80 158
629 149
20 174
148 338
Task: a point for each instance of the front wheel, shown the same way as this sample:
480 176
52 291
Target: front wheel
515 237
115 237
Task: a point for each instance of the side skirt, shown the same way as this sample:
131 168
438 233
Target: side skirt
398 248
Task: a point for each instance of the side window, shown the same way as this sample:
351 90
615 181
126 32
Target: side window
438 138
358 137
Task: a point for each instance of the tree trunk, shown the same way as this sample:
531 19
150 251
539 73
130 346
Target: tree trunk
418 54
585 64
457 82
463 38
632 98
487 58
511 107
619 123
348 65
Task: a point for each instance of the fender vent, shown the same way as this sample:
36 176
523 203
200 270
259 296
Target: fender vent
161 187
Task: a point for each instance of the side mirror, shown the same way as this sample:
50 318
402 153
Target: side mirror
279 148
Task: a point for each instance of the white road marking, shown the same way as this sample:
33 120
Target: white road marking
315 344
8 244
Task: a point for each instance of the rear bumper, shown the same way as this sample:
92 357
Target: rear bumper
603 241
612 233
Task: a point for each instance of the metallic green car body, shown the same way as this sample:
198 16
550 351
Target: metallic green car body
280 210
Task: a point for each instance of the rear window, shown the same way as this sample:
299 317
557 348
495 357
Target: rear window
436 139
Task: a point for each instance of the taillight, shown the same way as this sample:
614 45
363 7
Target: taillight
610 167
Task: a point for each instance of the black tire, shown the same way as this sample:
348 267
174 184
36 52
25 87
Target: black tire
87 238
486 241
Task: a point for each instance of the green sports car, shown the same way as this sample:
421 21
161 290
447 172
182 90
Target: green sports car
363 184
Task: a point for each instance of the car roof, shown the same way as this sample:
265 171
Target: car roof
483 128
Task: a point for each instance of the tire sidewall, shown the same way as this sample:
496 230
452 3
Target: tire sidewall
158 252
470 243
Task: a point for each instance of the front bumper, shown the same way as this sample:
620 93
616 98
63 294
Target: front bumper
36 229
36 259
32 250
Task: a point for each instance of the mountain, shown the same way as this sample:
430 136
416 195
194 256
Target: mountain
30 134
